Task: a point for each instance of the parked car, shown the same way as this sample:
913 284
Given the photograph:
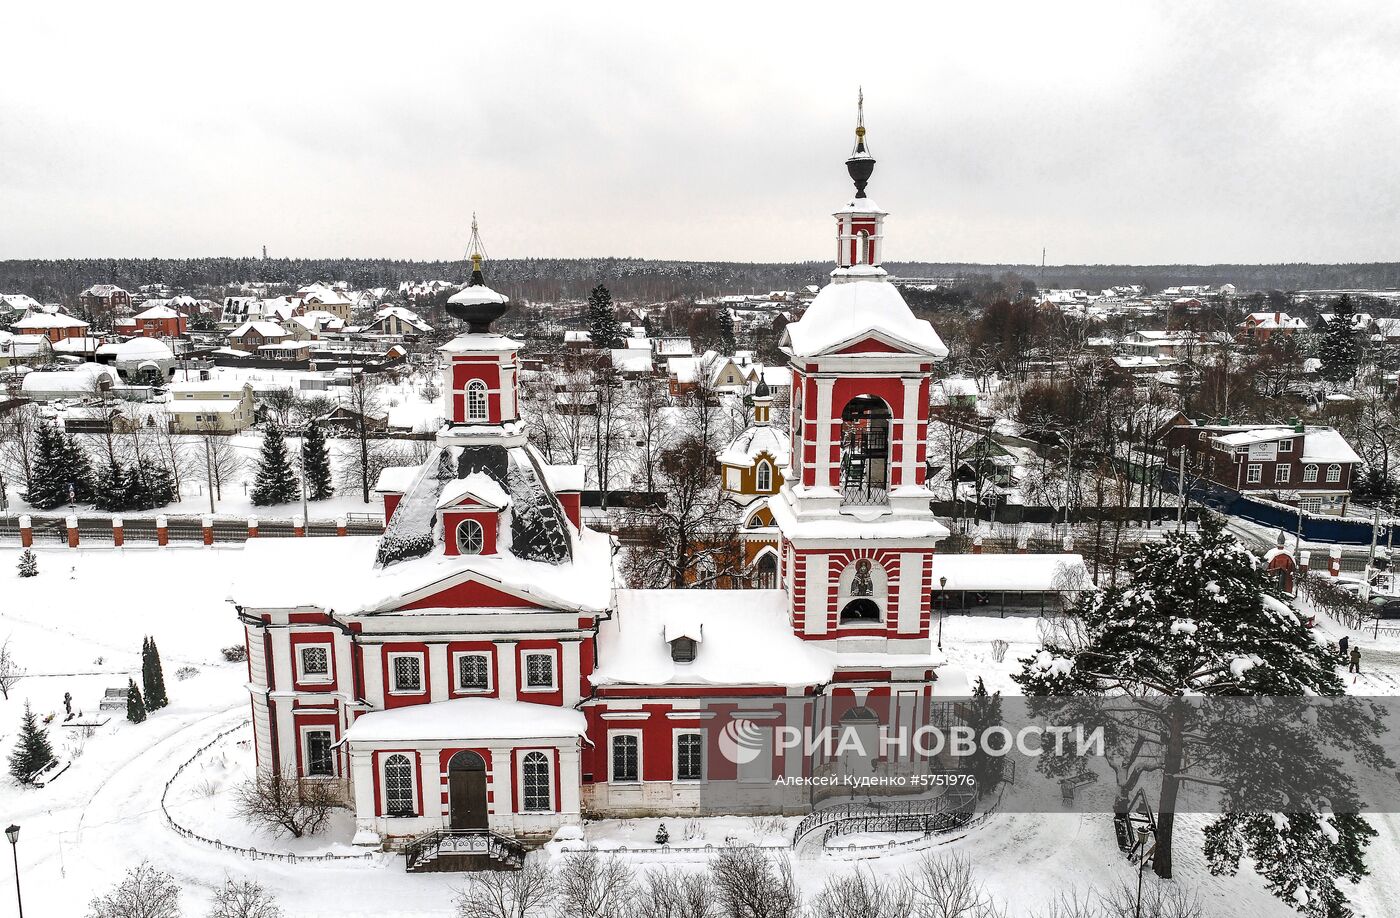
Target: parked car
1386 606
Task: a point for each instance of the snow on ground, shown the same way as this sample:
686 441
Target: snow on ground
78 627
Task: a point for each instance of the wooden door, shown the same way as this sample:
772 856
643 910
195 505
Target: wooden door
466 791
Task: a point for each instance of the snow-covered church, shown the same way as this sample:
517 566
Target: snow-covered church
477 673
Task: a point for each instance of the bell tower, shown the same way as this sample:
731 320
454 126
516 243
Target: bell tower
857 536
481 381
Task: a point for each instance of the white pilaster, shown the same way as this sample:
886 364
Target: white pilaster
822 467
570 672
439 672
505 670
502 777
910 431
570 781
911 584
362 779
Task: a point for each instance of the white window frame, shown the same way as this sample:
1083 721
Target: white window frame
676 735
1283 473
548 754
1255 473
1310 472
612 771
457 535
325 678
1334 473
1285 446
412 784
306 730
475 388
764 466
525 656
457 671
389 661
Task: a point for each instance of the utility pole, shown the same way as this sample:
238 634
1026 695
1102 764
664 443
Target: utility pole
1181 490
209 470
1371 557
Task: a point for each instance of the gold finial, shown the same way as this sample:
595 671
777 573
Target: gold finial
476 251
860 111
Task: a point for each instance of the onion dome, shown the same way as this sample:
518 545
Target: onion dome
477 304
761 390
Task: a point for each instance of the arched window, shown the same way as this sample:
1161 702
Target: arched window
862 591
764 476
865 450
476 400
1310 473
398 785
860 610
1334 472
863 247
759 520
471 538
536 783
766 572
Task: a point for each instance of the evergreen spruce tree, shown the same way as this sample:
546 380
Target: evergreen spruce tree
28 564
135 705
48 482
602 320
152 677
662 836
276 483
161 485
1199 619
138 490
1338 345
983 713
80 475
316 464
32 750
112 488
726 332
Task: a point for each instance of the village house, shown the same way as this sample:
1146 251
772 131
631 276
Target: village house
161 321
321 298
254 334
1260 327
398 321
1311 467
56 326
210 406
24 350
471 682
105 298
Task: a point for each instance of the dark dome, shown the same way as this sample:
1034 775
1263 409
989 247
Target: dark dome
477 305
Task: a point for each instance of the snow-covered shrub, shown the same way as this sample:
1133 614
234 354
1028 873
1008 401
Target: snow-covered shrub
186 672
145 892
235 653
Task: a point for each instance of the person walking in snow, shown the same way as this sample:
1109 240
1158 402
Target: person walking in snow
1342 646
1355 660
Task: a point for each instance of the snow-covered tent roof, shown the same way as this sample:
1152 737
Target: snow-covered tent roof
477 486
157 312
263 328
848 310
45 320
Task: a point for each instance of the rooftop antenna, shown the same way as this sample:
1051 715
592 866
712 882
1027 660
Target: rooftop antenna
264 253
1042 267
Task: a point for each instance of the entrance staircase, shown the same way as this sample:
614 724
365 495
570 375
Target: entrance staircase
455 850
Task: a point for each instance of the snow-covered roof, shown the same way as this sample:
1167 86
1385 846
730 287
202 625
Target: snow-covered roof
478 487
1323 444
574 336
630 360
396 479
44 320
80 345
467 719
564 477
1032 573
1257 435
478 341
263 328
157 312
217 384
204 406
847 310
778 377
139 349
958 386
761 438
20 301
82 379
24 345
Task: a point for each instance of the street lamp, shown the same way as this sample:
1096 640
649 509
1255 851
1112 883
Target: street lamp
1144 856
12 833
942 604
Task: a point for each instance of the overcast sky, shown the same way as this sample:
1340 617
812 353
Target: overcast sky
1121 132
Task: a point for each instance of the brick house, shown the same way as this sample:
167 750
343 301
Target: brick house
105 298
55 326
160 321
1307 466
252 335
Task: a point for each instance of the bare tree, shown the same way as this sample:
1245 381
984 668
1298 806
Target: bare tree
650 431
10 670
17 432
590 885
247 899
362 399
282 402
750 884
673 894
863 895
281 801
145 892
221 462
170 448
946 887
524 893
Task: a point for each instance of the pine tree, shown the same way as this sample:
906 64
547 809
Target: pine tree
602 320
49 473
79 470
135 705
1338 345
983 713
725 321
1200 619
152 677
276 483
316 464
662 836
28 564
32 750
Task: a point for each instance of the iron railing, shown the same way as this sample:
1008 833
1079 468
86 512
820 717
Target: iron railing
420 851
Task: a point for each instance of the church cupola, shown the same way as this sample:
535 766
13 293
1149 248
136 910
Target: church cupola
762 403
860 224
481 381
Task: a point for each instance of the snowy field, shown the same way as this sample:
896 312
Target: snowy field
78 627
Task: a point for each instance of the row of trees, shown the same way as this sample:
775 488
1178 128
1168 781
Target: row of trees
148 892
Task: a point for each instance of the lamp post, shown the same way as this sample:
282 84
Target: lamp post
12 833
1144 856
942 604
